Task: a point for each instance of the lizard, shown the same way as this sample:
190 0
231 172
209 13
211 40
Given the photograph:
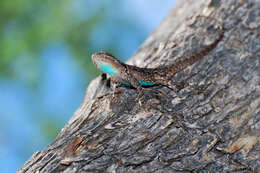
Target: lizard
137 77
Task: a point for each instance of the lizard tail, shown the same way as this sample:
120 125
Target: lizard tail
185 62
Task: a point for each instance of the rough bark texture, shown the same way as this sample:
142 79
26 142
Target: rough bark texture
211 124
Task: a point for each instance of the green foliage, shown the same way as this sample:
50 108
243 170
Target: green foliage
27 26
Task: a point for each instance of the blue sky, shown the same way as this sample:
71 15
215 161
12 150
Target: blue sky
27 115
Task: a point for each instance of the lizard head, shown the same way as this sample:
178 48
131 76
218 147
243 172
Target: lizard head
107 63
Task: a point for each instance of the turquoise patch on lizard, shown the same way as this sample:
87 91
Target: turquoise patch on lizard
107 68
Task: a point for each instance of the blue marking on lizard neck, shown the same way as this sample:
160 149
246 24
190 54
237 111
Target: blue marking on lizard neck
107 68
143 83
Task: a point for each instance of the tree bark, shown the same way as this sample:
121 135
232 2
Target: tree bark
210 124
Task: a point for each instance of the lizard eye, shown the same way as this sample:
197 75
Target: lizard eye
103 52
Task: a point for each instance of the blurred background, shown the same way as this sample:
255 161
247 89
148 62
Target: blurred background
45 62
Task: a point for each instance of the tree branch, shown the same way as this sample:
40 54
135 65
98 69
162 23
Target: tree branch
210 124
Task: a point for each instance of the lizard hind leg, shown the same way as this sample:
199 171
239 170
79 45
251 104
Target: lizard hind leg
175 86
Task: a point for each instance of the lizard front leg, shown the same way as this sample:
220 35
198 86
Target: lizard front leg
134 82
114 85
115 80
140 91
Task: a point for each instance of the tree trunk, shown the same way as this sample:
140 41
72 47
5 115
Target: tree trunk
209 124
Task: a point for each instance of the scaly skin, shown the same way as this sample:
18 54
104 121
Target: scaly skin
137 77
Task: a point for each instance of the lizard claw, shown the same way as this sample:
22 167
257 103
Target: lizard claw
140 101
